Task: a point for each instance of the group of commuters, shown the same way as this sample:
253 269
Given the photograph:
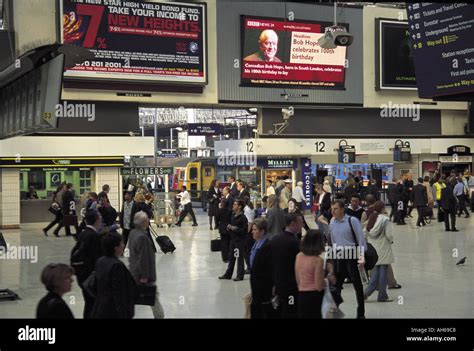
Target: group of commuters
287 269
109 288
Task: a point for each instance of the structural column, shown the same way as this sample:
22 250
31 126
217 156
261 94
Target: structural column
110 176
9 198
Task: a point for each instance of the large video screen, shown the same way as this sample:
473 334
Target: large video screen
137 40
396 69
279 53
443 48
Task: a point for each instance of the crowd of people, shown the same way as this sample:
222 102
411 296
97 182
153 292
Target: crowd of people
290 265
109 288
288 272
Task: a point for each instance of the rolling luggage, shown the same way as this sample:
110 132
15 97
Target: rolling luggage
164 242
216 245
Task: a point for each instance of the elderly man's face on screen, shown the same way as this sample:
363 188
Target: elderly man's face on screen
268 42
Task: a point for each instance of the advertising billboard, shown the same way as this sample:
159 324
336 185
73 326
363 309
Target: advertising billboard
283 53
137 40
396 69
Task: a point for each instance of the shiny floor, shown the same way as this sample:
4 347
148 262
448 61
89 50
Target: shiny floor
432 285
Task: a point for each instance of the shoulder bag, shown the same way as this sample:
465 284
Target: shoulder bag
371 257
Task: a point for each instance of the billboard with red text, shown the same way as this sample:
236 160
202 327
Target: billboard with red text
137 40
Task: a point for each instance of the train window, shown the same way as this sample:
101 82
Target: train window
181 175
207 172
193 173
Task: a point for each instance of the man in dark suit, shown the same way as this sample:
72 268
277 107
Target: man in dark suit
69 209
261 272
402 201
232 187
448 203
242 191
392 199
284 248
224 214
85 254
238 229
420 201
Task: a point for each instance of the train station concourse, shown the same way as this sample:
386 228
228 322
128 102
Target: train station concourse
232 159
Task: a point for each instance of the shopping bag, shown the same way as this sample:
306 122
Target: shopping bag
247 302
329 309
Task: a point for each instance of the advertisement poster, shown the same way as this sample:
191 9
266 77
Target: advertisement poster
135 40
442 44
280 53
395 59
306 179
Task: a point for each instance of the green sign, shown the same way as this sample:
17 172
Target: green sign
144 171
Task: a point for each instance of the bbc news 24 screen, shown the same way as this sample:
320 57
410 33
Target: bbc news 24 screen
279 53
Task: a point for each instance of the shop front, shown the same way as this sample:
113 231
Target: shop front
39 177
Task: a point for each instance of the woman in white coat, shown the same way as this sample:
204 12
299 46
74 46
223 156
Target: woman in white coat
378 233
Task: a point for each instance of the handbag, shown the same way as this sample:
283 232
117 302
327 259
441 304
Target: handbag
216 245
329 308
55 209
145 295
315 207
371 257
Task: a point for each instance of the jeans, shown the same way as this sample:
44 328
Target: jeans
378 280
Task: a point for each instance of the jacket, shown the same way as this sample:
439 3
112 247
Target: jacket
448 201
52 306
285 195
325 205
380 236
239 221
241 195
392 193
142 256
284 248
116 289
89 245
67 203
275 221
429 191
261 274
419 196
224 215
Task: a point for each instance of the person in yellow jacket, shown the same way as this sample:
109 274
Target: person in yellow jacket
439 186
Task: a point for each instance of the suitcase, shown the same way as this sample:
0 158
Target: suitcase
216 245
164 242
